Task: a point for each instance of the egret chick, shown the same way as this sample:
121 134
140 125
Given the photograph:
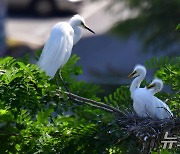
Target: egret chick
141 96
161 109
155 86
139 74
57 50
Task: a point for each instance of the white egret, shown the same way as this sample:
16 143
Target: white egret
139 72
141 96
57 49
161 109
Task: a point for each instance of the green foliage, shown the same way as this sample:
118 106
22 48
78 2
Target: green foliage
18 81
120 98
5 115
33 114
154 24
178 27
36 118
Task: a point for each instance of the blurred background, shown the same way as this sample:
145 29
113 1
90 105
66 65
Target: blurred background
128 32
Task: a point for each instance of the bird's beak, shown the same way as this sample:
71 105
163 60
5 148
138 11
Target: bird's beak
132 74
150 86
86 27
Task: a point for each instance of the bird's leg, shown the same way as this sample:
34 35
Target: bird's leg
63 81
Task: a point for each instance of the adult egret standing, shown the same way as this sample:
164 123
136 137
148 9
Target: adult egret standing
57 49
161 109
141 96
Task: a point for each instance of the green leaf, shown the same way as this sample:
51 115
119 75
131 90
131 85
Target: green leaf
43 116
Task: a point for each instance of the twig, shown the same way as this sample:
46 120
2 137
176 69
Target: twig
100 104
93 105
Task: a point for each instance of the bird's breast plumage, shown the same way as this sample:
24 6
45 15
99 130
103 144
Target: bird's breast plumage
142 102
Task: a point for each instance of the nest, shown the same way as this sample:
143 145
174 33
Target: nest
149 132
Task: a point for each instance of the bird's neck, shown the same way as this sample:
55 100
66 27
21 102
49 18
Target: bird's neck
77 34
154 91
136 83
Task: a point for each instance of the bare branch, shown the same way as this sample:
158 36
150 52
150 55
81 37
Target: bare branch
99 104
93 105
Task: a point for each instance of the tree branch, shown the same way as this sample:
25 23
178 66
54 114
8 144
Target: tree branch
95 103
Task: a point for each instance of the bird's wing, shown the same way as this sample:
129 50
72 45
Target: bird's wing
162 109
58 46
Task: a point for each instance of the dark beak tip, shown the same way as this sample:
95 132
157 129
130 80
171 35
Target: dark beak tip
89 29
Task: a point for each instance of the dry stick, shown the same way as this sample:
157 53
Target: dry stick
93 105
99 104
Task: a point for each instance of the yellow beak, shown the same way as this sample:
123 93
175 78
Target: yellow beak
132 74
150 86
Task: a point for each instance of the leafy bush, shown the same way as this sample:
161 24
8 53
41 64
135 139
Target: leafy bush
37 116
27 101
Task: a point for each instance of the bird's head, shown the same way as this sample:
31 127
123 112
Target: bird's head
138 70
78 21
156 85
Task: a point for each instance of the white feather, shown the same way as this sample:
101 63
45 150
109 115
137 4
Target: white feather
161 109
57 49
142 102
140 96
